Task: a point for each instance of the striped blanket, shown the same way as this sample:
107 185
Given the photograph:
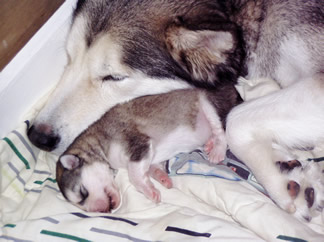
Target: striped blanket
208 203
200 207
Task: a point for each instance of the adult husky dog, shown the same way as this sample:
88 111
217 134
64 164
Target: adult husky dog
122 49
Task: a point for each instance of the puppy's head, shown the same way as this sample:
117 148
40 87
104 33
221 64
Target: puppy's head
90 186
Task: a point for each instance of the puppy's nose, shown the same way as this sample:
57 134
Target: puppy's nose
101 206
114 199
42 136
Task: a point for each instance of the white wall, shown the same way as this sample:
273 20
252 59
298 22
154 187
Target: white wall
34 70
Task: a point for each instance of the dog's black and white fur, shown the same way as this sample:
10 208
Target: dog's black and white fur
122 49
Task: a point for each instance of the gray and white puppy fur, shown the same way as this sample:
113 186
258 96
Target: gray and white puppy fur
139 135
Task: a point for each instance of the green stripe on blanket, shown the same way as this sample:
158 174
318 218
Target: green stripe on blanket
47 179
65 236
9 225
13 147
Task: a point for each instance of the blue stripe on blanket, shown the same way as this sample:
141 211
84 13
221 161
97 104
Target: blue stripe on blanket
51 220
291 239
25 143
187 232
10 238
81 215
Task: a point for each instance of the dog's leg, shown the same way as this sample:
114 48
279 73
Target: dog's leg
257 154
292 117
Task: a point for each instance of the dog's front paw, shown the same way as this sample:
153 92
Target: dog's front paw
305 187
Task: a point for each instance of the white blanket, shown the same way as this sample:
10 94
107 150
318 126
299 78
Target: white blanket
198 208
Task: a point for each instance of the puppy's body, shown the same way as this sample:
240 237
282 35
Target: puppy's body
138 135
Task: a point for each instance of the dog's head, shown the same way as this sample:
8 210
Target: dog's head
119 50
90 186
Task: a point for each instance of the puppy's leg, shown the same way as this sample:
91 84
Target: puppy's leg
292 117
139 165
216 145
158 173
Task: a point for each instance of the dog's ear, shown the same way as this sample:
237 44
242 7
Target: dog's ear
209 56
70 162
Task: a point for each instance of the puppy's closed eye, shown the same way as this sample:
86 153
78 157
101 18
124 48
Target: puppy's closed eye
84 194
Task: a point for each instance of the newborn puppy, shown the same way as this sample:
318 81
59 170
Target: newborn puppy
139 135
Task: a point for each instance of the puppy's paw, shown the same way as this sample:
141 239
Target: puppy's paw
153 194
144 185
215 149
161 176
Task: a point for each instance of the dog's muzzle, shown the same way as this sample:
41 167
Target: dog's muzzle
43 137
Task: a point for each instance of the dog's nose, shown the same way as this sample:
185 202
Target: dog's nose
42 137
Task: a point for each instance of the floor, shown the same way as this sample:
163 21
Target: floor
19 21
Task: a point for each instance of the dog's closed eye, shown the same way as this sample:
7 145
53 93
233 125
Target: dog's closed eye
113 78
84 194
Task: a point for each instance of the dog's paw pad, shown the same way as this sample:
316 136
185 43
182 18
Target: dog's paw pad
306 187
293 189
287 166
309 196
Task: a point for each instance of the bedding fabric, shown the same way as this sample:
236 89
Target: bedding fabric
208 202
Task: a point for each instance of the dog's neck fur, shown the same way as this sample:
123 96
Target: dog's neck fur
248 15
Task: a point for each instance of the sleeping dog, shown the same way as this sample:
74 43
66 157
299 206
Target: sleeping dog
139 135
121 49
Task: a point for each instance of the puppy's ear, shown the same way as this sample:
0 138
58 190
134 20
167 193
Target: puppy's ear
70 162
209 56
